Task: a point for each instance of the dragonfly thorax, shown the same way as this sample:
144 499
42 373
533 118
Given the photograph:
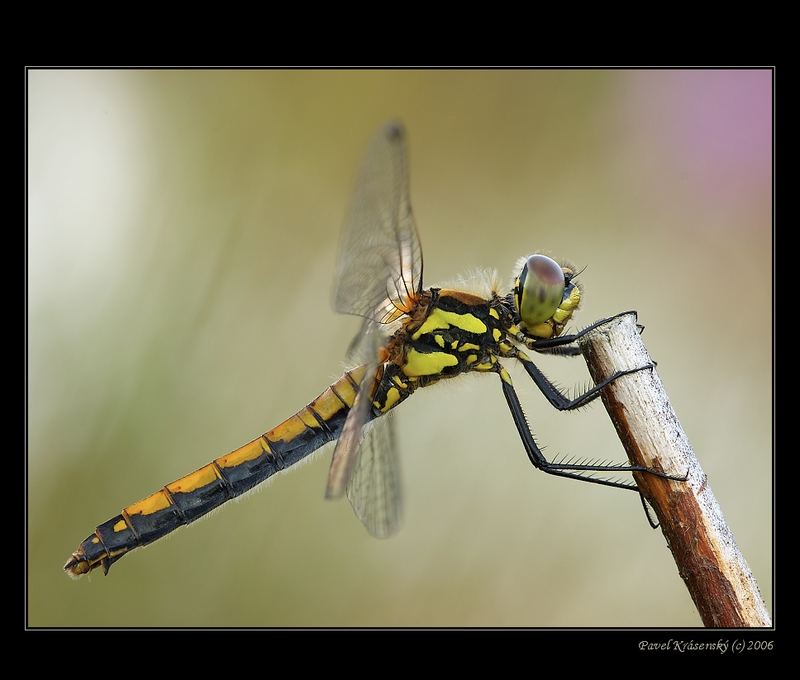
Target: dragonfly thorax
454 334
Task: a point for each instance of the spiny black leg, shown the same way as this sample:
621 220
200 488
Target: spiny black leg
565 351
653 522
569 350
557 398
572 337
534 454
563 469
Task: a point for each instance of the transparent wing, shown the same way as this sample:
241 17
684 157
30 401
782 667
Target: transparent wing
364 462
374 487
347 446
365 346
379 270
378 277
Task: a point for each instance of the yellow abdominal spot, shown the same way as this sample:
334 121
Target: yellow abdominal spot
328 404
147 506
119 526
439 318
418 363
344 389
249 451
287 430
96 540
196 480
308 418
358 373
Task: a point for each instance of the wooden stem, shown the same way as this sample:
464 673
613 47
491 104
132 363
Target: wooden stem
709 561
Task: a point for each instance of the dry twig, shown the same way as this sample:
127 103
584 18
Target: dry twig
709 561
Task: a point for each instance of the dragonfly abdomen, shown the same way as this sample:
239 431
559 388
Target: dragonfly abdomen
227 477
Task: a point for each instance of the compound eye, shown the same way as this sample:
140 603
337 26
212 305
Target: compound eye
540 290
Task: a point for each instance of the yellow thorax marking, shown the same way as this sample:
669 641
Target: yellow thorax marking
392 397
440 318
419 363
396 380
467 346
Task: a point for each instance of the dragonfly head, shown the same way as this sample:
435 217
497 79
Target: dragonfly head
545 296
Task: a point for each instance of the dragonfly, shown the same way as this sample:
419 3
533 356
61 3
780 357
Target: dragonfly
410 338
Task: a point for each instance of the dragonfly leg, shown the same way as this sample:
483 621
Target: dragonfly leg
654 523
557 398
562 351
565 469
568 339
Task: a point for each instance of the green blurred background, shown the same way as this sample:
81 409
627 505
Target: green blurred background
182 236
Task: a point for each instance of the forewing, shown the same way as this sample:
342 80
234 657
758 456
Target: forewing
379 270
378 277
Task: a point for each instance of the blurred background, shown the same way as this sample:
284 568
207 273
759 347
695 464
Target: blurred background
182 237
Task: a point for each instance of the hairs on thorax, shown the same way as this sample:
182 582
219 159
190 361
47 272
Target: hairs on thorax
481 281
